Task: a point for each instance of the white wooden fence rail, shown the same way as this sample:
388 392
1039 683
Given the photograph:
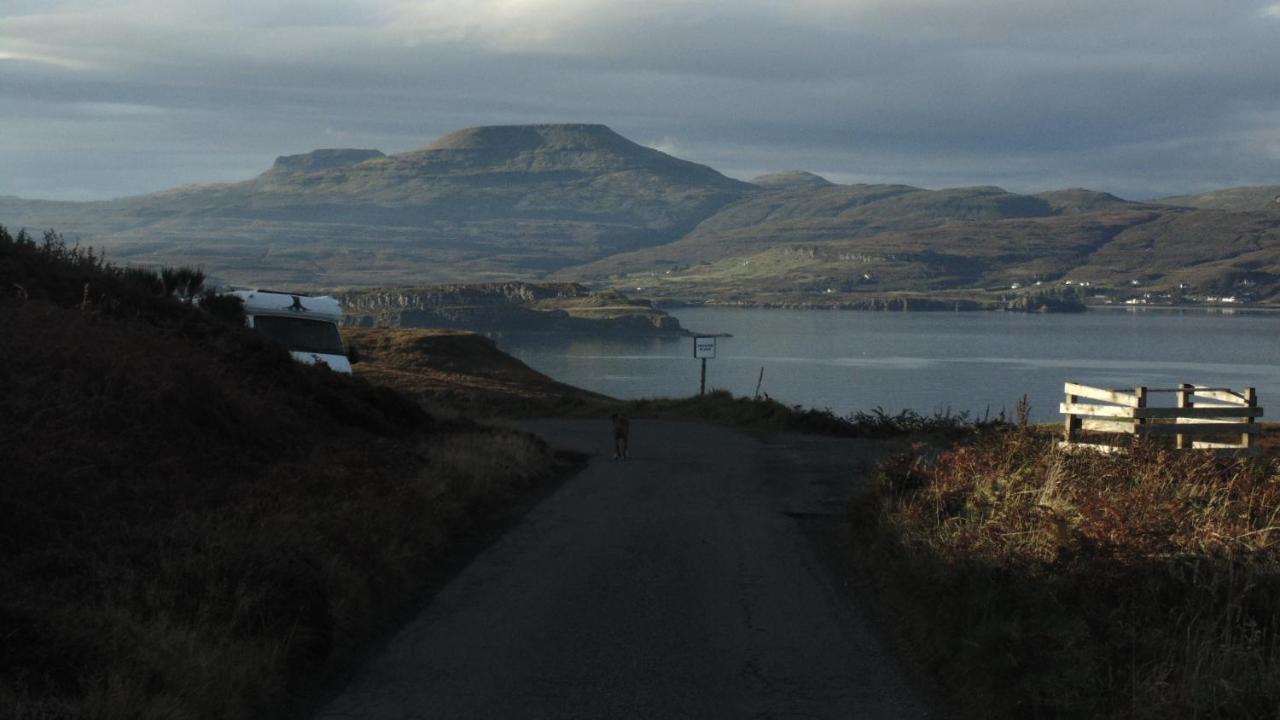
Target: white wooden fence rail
1226 419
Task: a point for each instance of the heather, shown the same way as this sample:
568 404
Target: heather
1041 583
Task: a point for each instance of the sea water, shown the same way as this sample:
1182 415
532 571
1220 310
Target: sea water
976 362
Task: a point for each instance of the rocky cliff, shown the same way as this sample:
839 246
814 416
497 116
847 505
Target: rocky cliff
506 307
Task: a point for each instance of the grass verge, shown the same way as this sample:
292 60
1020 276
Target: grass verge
722 408
1042 584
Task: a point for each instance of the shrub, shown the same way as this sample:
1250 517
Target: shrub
75 276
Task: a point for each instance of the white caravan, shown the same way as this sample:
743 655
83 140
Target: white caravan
307 326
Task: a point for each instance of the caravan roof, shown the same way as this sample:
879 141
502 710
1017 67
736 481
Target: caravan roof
269 302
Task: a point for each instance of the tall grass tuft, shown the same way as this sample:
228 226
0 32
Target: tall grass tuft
1040 583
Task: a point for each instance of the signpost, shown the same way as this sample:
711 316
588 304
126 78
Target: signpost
703 348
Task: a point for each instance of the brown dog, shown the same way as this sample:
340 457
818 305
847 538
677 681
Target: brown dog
621 435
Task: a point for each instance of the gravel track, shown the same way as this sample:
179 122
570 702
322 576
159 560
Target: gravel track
684 582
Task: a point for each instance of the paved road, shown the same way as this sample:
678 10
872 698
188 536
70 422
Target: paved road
676 584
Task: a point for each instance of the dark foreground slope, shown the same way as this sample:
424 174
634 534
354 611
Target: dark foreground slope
191 524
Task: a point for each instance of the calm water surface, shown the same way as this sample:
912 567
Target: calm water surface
978 362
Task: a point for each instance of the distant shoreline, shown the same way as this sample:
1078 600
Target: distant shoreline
1206 309
917 305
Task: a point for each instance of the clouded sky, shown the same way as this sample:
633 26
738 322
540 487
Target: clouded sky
103 98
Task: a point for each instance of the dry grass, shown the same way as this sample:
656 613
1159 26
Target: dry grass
1047 584
235 609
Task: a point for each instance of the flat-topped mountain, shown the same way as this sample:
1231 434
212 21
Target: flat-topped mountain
579 202
483 203
586 149
558 173
790 179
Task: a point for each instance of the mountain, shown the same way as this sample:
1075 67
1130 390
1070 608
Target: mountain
1262 197
482 203
581 203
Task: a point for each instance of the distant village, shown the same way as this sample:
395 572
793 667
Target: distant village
1132 295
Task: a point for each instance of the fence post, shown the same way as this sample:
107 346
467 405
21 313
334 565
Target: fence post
1184 401
1141 392
1072 422
1250 399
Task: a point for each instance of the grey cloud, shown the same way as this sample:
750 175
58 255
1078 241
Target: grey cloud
1138 98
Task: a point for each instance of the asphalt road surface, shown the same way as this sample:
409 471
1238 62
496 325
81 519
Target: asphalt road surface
680 583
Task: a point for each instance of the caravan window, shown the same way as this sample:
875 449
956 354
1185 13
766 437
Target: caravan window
301 335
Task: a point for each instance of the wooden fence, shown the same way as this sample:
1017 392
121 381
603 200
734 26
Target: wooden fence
1201 412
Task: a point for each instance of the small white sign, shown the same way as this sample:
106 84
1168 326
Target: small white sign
704 347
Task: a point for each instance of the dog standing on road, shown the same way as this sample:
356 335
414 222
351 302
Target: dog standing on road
621 435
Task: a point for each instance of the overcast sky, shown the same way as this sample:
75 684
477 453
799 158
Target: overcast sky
104 98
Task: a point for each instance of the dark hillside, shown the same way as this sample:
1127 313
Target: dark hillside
192 524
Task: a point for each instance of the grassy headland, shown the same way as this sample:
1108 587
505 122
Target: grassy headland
458 372
192 524
1043 584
